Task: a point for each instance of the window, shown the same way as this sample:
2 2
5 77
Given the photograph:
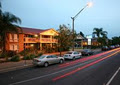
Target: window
11 37
15 37
41 57
11 47
14 47
48 56
76 53
54 56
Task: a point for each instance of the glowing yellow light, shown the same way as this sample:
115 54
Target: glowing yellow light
36 35
89 4
32 45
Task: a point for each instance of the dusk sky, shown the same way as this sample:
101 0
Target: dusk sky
44 14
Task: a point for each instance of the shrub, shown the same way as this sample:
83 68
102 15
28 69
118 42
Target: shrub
4 55
25 52
32 56
11 53
15 58
39 54
29 57
26 57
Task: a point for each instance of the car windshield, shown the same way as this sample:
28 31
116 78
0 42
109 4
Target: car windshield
66 55
41 57
69 53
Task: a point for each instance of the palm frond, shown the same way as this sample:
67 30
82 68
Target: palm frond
11 18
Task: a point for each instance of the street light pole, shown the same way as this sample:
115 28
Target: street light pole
73 32
73 21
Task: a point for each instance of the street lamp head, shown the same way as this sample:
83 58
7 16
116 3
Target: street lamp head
89 4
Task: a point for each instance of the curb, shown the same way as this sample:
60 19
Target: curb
15 68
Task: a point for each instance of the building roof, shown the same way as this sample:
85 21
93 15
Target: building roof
32 30
80 37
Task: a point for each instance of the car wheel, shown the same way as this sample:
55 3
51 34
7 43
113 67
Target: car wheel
46 64
73 58
61 61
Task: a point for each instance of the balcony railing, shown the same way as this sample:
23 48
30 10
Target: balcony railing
42 40
31 40
48 40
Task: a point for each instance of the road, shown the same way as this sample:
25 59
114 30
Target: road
98 69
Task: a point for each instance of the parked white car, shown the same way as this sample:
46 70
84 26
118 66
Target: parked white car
46 60
72 55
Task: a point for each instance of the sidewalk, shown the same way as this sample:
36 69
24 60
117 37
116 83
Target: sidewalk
10 66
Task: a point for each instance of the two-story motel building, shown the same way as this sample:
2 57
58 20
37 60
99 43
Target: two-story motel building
31 37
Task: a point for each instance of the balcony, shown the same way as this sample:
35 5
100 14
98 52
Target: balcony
31 40
42 40
48 40
55 40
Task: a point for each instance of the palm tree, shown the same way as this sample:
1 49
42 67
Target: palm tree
97 31
104 34
8 23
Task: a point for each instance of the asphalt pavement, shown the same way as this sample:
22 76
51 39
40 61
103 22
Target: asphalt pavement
97 69
11 66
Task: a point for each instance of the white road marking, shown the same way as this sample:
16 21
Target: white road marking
111 79
51 73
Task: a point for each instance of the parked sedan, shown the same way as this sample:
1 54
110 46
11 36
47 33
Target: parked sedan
87 52
104 48
46 60
111 47
117 46
72 55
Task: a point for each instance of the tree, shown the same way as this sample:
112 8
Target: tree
97 31
115 40
102 41
81 33
64 38
8 23
101 35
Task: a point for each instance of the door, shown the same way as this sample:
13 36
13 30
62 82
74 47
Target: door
49 59
55 59
76 54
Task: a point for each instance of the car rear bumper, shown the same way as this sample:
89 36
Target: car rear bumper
38 63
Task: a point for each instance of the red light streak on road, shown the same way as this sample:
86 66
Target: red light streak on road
85 59
83 67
